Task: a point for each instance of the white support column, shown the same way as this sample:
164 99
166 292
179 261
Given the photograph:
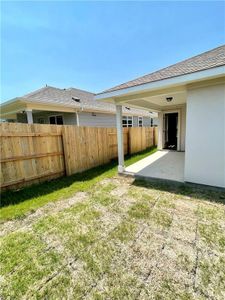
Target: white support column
78 121
160 131
120 138
29 116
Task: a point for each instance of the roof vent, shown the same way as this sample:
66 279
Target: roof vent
169 99
76 99
127 107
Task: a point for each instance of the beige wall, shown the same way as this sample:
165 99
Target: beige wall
205 136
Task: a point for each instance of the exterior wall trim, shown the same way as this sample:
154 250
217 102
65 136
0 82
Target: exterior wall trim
178 80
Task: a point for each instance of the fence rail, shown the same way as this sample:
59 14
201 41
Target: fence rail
40 152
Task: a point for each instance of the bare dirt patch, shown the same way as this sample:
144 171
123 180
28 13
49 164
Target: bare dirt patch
120 240
49 209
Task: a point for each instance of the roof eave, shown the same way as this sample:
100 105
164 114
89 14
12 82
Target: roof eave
14 100
35 105
165 83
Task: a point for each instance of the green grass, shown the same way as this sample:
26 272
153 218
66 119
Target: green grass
140 210
33 261
128 248
125 231
16 204
162 218
213 235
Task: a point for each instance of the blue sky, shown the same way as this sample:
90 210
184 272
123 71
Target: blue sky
96 45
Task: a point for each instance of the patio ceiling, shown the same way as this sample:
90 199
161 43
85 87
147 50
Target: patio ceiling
155 101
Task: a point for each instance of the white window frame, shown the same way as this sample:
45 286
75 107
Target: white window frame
55 119
140 119
126 117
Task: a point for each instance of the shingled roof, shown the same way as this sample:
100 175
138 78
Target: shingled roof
54 96
207 60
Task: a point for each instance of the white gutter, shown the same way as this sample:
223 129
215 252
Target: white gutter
179 80
14 100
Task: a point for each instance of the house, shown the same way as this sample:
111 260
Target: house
50 105
189 98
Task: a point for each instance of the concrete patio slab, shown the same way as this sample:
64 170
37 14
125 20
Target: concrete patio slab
163 164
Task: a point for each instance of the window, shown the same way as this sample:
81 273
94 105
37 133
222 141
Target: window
127 121
56 120
140 121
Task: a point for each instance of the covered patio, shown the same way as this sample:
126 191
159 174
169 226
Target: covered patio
170 104
168 162
184 95
165 165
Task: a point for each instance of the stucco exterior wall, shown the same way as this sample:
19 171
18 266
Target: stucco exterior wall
205 136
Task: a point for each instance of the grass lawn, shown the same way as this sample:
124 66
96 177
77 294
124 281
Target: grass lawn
117 239
16 204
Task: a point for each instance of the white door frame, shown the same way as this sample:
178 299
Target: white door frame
178 111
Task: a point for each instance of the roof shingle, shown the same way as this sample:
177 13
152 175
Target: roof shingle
207 60
54 96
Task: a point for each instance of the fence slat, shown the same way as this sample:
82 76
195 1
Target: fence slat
140 138
31 153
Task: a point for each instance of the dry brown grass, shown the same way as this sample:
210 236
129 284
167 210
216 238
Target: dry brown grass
121 240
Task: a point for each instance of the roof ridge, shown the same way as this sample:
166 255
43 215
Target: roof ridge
72 88
39 90
55 88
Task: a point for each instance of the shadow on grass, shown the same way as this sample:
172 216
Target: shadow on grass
13 197
193 191
47 187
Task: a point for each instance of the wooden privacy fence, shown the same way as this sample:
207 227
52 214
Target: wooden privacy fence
87 147
30 153
140 138
39 152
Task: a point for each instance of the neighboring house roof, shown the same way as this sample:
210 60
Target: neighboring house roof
207 60
54 96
